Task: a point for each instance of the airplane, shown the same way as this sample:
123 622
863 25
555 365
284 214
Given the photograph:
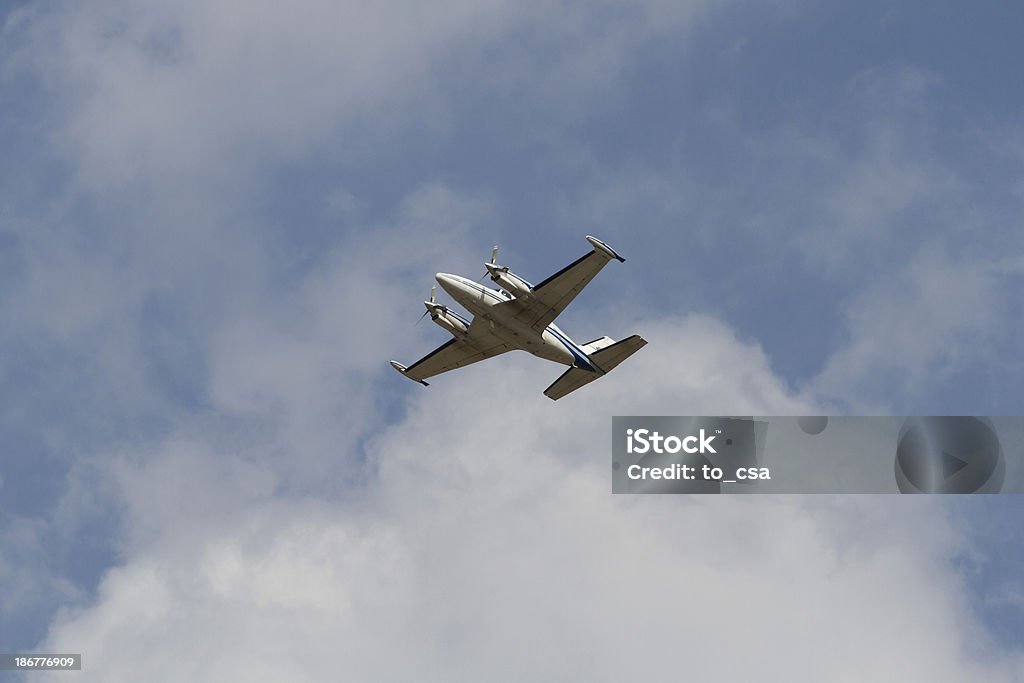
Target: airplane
521 316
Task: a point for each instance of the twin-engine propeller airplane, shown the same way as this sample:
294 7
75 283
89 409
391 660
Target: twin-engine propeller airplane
520 316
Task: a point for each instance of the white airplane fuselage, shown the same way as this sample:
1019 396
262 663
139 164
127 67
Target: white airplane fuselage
550 344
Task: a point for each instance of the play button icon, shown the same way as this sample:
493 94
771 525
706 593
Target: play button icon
948 455
951 465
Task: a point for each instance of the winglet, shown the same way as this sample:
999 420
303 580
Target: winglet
401 368
603 248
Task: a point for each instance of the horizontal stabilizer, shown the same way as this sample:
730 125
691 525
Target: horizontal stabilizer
610 356
597 344
571 380
606 359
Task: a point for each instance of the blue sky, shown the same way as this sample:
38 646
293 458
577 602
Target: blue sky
217 224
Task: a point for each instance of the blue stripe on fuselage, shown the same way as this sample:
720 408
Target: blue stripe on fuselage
576 351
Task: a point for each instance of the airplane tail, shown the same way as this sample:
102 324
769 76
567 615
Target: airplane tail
605 358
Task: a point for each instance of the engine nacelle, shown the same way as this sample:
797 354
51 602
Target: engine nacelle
512 283
449 322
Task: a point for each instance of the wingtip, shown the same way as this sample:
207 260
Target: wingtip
604 248
402 369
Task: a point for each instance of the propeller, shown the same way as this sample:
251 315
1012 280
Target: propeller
494 258
433 294
493 266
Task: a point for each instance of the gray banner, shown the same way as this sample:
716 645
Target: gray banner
817 454
40 662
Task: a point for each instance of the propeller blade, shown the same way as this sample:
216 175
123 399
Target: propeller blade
433 292
494 255
422 317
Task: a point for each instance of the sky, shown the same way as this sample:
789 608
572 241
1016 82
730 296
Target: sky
218 221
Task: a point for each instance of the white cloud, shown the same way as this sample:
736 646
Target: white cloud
188 87
488 545
207 89
914 329
307 361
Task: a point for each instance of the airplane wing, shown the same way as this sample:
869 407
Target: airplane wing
550 297
458 352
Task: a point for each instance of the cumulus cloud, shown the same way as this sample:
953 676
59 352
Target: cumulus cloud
487 545
308 362
916 328
205 88
177 88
